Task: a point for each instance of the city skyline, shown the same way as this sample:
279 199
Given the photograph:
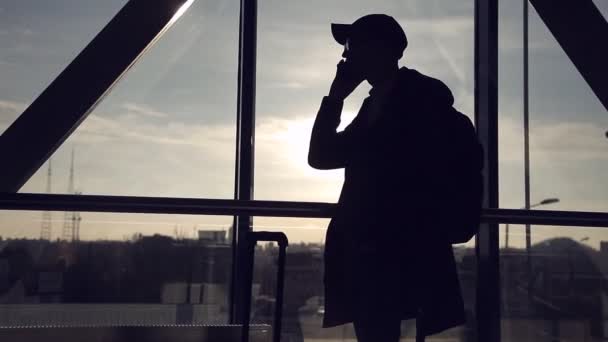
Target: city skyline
155 276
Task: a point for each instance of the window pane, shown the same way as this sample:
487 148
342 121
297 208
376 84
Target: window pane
567 122
38 39
297 59
560 294
510 105
168 127
602 6
303 305
126 269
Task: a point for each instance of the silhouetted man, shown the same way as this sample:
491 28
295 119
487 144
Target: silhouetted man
386 258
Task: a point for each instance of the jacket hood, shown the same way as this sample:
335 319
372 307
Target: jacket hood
427 89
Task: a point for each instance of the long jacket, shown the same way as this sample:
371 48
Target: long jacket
384 256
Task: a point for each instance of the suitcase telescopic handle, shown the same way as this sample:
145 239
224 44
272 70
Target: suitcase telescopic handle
252 239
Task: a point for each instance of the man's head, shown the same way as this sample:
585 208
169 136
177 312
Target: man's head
371 41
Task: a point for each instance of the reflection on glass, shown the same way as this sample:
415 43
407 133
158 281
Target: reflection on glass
127 269
168 127
562 295
303 297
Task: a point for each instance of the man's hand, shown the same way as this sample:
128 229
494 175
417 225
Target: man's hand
346 81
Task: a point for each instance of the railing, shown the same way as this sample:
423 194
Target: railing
194 206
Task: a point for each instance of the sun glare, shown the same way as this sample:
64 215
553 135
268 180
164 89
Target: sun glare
293 142
183 8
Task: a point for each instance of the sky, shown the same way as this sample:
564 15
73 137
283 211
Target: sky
168 127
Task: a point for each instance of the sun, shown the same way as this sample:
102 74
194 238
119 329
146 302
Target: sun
295 138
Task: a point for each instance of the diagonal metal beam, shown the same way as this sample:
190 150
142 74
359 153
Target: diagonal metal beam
67 101
581 31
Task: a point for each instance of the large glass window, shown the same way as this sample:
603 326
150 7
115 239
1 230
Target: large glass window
40 38
168 127
552 278
567 128
567 122
296 63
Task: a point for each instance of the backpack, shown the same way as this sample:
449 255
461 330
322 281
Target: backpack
460 178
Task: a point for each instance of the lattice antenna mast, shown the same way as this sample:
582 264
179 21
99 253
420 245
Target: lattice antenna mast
76 222
46 228
70 218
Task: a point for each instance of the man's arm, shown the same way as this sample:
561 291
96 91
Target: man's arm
328 148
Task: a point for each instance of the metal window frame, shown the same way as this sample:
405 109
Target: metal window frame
486 122
245 152
153 20
257 208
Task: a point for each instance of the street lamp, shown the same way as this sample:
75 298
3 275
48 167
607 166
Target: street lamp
543 202
528 235
528 247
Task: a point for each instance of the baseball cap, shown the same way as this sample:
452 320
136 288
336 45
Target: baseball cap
377 27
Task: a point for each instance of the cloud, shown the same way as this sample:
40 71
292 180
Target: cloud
11 107
137 109
125 154
9 111
567 141
17 33
306 53
510 140
127 129
282 170
286 85
24 31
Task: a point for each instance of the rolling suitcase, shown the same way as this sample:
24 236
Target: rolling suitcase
252 240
